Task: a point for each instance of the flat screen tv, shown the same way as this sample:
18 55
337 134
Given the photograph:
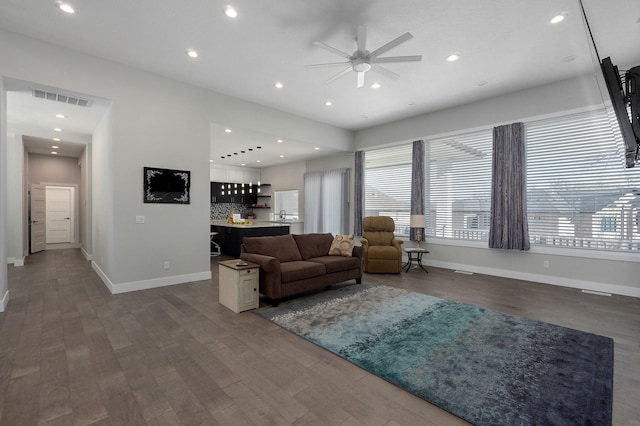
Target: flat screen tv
626 104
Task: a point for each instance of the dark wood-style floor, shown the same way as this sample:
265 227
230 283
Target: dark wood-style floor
73 354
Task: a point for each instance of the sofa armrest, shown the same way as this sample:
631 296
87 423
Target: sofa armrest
270 276
358 251
267 263
397 243
365 244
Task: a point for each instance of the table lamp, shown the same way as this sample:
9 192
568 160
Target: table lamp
417 222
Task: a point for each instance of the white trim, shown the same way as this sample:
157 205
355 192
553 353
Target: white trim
545 279
147 284
86 255
4 302
620 256
15 262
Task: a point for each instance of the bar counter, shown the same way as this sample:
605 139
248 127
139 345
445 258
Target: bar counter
230 236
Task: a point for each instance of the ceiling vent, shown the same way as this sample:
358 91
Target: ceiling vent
59 97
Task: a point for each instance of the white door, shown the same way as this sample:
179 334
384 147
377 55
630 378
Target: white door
58 201
38 217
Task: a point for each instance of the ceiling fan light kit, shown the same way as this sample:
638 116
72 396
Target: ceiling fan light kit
362 61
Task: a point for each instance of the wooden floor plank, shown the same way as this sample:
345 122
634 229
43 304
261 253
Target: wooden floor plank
72 353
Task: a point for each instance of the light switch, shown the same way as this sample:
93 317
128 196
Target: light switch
139 219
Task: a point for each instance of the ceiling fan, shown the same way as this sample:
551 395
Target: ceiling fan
362 60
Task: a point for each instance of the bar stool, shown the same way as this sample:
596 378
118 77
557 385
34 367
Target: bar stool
216 246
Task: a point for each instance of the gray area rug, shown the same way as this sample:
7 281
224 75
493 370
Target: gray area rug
483 366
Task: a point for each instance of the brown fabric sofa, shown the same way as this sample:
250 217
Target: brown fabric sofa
382 251
293 264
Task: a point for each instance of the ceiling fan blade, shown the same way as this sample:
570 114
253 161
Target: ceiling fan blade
340 74
329 64
393 43
332 49
361 38
360 79
415 58
390 74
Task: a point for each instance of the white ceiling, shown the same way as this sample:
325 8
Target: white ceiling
505 46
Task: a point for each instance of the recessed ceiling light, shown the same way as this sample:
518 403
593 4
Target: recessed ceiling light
258 161
375 86
65 7
192 53
60 116
227 130
54 147
56 139
328 103
453 57
279 141
230 12
243 164
281 155
316 148
57 129
211 161
558 18
278 85
54 153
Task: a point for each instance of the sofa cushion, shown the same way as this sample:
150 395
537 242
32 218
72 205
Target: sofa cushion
383 252
300 270
342 245
337 263
313 245
379 238
282 247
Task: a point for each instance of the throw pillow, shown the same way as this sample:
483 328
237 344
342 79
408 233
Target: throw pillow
342 245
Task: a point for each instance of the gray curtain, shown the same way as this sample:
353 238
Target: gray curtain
509 229
326 201
417 184
358 193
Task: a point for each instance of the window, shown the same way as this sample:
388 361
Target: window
286 204
578 192
458 186
387 185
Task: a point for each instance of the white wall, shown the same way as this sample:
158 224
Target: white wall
4 287
606 272
15 198
157 122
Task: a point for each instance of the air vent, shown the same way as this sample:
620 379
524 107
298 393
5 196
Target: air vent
59 97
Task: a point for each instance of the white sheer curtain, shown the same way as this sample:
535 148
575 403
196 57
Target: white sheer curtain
326 201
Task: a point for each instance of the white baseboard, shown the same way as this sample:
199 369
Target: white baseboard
545 279
147 284
15 262
86 255
4 301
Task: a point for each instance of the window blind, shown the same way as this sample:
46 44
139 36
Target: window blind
387 185
579 193
458 187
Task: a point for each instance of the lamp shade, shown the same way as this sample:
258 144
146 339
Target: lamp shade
417 221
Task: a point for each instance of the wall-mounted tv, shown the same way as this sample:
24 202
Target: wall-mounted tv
626 104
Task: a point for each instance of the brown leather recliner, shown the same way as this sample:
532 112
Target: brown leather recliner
382 251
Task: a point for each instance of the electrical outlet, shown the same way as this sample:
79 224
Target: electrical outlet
139 219
545 263
166 265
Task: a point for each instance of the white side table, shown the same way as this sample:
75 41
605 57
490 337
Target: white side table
238 285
